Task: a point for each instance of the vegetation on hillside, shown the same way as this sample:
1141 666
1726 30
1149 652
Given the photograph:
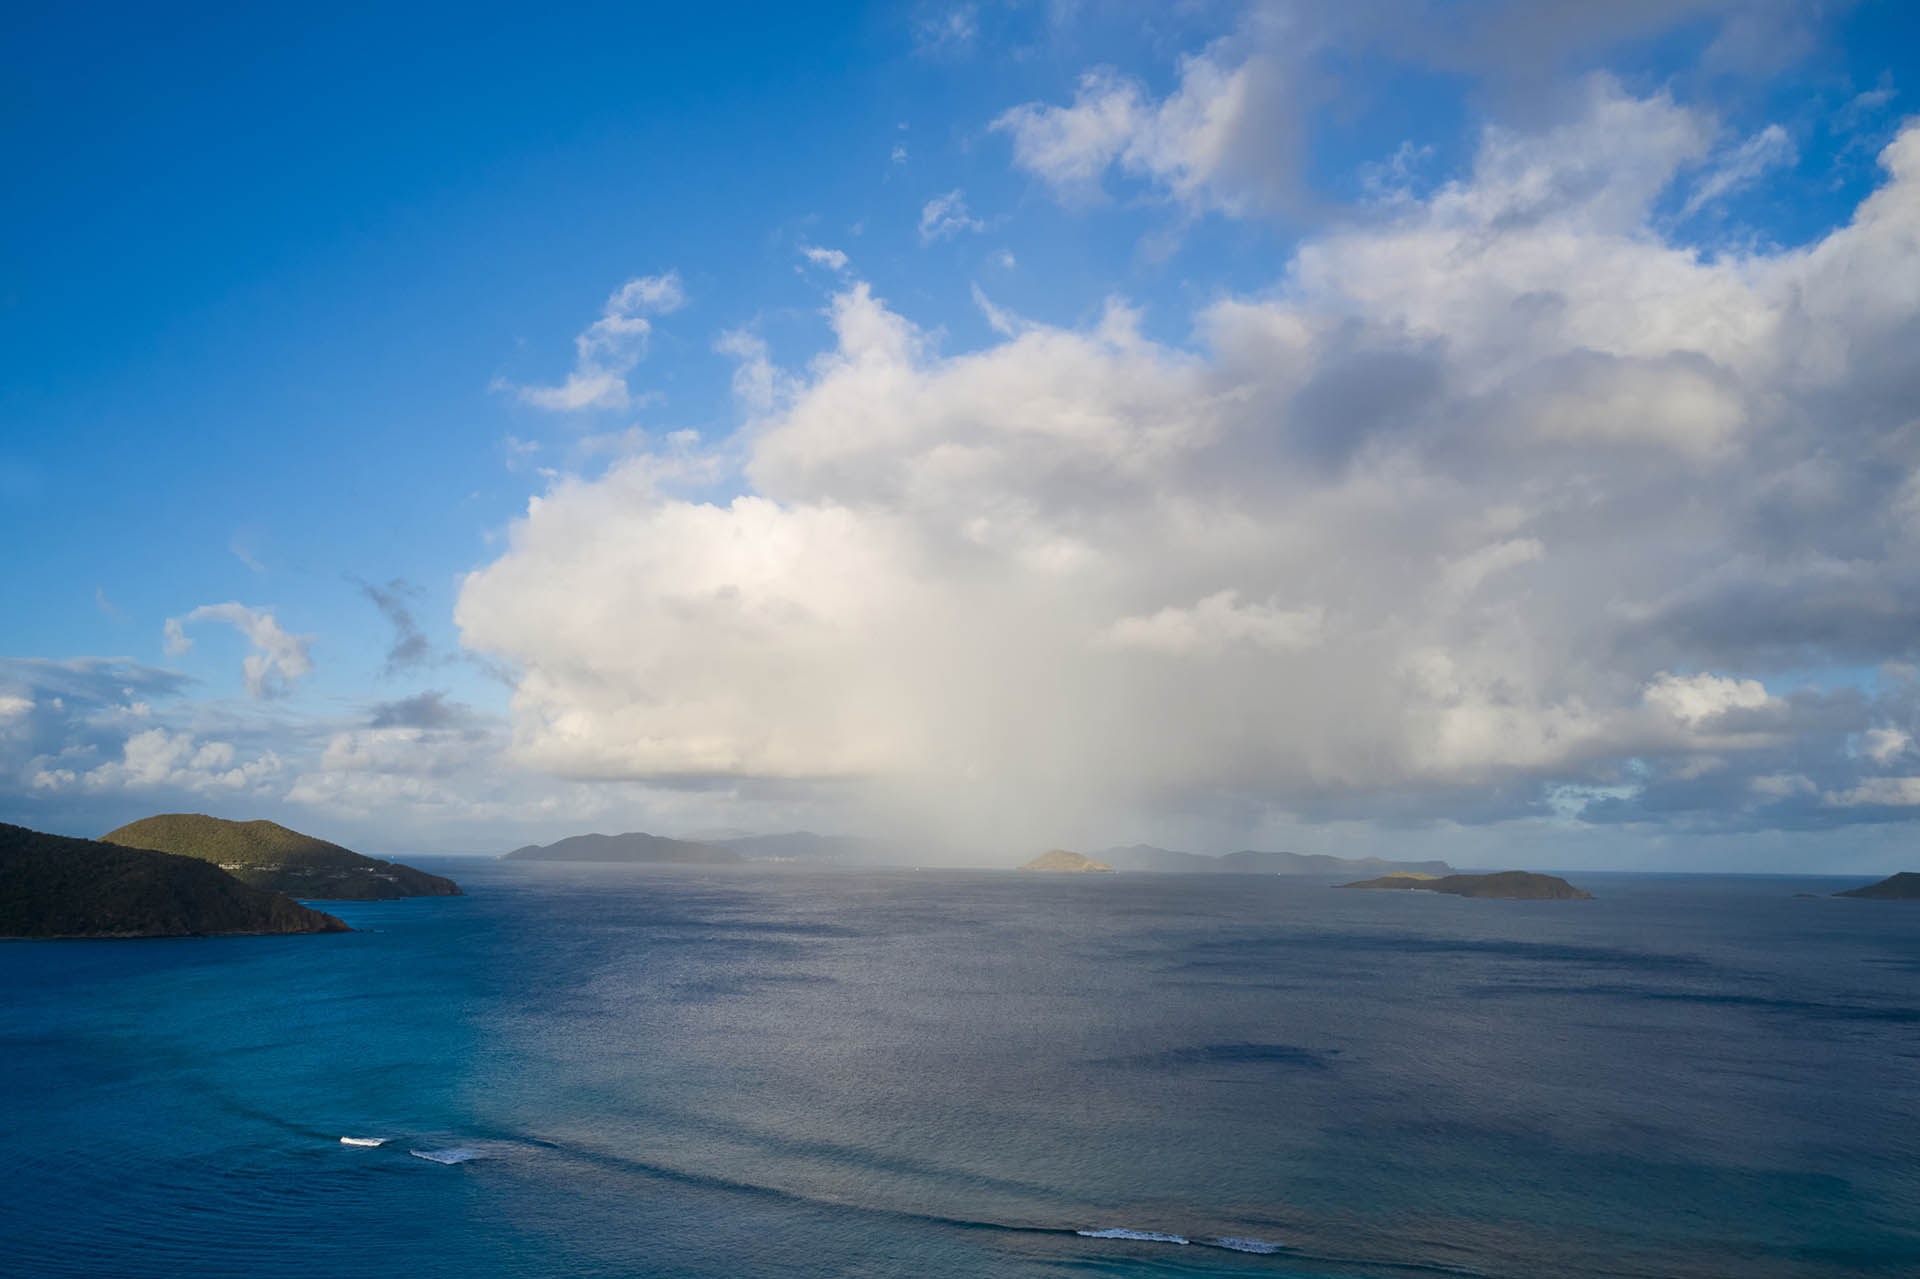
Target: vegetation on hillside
268 855
54 886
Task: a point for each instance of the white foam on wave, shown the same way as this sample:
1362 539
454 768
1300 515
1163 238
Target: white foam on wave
363 1141
1147 1236
1232 1243
455 1155
1238 1244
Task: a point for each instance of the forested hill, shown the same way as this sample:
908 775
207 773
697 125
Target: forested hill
54 886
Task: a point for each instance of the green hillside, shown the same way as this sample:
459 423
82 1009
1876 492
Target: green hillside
53 886
268 855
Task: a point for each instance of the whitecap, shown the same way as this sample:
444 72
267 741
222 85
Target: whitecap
1238 1244
454 1155
363 1141
1148 1236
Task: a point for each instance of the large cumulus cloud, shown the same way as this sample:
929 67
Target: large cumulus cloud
1500 502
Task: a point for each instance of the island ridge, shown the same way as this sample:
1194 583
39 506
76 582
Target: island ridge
1513 885
268 855
53 886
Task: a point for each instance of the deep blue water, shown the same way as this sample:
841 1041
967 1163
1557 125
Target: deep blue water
773 1071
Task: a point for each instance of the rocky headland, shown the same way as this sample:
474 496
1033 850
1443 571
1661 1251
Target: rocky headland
52 886
1901 887
268 855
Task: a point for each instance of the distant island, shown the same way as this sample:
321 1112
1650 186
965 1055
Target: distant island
1903 886
268 855
634 846
52 886
1059 859
1514 885
1145 857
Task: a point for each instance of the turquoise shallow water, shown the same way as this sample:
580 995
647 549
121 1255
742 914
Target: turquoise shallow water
772 1071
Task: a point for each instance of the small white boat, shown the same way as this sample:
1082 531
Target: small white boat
363 1141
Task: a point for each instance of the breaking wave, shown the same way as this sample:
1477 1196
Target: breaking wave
455 1155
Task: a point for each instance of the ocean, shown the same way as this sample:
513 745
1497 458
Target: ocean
786 1071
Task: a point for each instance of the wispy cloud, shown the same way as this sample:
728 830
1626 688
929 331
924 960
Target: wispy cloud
280 658
947 215
609 349
1771 148
832 259
946 30
410 648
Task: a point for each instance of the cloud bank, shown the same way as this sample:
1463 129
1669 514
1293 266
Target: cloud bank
1501 504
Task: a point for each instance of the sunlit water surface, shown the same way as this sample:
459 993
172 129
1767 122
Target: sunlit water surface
773 1071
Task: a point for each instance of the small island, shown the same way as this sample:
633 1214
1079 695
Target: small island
1901 887
1060 860
1512 885
1145 857
268 855
634 846
52 886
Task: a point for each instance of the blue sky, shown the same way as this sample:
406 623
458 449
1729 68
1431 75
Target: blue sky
1340 427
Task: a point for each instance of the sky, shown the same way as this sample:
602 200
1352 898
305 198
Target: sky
1479 429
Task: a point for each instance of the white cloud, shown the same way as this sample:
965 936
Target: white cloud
947 31
281 658
947 215
609 349
1224 139
1782 785
156 758
756 382
1071 147
999 319
1768 149
1429 528
1218 623
1883 745
1878 792
832 259
1695 698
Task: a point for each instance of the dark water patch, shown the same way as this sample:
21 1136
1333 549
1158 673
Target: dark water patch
1241 1054
1717 999
1255 950
847 1154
